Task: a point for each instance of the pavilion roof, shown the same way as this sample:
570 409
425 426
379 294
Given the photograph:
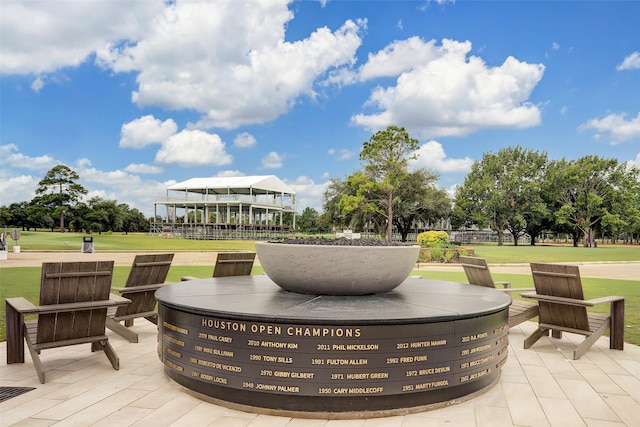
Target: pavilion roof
258 184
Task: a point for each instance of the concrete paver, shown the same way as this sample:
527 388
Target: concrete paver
538 386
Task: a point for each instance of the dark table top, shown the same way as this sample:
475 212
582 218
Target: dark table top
258 298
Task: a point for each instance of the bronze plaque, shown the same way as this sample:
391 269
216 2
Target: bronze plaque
323 360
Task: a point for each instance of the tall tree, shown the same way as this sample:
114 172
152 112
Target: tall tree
5 216
386 159
530 210
19 214
360 204
307 221
132 219
418 199
332 215
503 191
59 189
588 189
104 215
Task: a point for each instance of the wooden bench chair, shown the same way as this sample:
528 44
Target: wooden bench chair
563 308
148 273
478 273
231 264
74 298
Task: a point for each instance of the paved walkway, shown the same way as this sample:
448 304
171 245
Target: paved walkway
540 386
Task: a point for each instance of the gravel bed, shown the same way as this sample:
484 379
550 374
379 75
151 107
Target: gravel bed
342 241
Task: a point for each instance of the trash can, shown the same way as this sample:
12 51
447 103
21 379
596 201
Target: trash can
87 245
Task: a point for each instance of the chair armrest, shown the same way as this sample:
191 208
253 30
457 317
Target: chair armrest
118 300
602 300
516 289
187 278
571 301
505 285
22 305
142 288
87 305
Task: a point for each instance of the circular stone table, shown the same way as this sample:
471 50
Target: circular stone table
245 341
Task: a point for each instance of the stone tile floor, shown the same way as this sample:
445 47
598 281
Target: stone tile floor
541 386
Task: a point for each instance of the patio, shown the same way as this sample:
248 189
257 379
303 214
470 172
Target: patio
540 386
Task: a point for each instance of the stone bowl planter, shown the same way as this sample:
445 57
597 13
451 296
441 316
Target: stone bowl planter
335 269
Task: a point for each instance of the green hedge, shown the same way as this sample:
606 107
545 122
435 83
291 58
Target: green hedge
433 239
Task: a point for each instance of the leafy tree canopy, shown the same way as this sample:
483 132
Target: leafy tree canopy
59 189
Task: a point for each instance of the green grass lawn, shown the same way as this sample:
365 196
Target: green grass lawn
48 241
54 241
25 281
557 253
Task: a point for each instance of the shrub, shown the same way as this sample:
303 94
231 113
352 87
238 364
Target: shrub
424 255
436 254
449 254
433 239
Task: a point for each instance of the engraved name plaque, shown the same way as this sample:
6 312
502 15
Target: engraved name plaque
323 358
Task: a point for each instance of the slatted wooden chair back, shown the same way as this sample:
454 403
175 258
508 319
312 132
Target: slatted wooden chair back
147 269
560 281
68 283
234 264
477 271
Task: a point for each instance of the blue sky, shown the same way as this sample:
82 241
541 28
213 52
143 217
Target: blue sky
138 95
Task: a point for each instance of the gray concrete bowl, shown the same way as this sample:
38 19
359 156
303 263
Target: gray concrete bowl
336 270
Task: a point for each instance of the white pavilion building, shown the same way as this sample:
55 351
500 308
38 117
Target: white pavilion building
245 207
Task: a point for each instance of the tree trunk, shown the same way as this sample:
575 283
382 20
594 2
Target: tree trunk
390 216
61 221
403 228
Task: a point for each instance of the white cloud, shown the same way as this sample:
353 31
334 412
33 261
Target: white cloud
230 173
342 154
616 126
141 168
441 91
398 57
45 36
230 61
244 140
194 148
451 191
15 189
631 62
37 84
272 160
121 186
308 193
10 156
145 131
431 155
635 162
554 48
93 175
